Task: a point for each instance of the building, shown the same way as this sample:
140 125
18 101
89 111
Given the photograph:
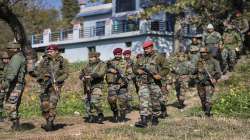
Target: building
103 27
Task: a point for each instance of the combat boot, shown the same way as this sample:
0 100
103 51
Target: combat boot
15 125
143 123
115 116
164 113
100 118
181 104
155 120
49 126
91 119
122 116
208 111
1 117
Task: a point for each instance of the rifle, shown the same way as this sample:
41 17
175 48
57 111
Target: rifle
53 79
208 75
87 85
119 72
151 74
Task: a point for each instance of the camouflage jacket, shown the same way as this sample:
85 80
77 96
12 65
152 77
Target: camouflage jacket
15 71
211 39
241 24
205 67
112 78
1 70
231 39
194 57
184 68
156 64
129 69
48 66
96 71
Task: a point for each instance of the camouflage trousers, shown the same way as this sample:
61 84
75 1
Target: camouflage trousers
205 93
224 60
117 98
49 101
149 98
164 94
2 98
13 101
93 102
182 88
231 57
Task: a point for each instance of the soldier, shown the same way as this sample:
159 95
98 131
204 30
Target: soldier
232 41
183 70
3 67
242 27
51 73
132 87
208 72
196 43
224 59
117 86
14 82
92 76
212 39
149 70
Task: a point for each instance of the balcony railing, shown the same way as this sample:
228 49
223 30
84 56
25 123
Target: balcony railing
90 32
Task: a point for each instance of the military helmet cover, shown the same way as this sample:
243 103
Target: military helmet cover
13 45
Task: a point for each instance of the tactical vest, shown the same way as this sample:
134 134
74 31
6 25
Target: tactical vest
229 38
112 78
95 68
150 63
211 39
49 65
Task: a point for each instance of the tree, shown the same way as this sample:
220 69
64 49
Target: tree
69 10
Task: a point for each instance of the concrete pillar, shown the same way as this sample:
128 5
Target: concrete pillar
76 31
46 36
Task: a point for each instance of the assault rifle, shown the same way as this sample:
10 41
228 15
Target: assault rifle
53 79
151 74
120 73
208 75
86 85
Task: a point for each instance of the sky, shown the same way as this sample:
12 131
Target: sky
53 3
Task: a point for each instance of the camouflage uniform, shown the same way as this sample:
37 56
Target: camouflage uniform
3 70
183 70
212 41
51 73
117 90
207 70
131 82
231 40
14 83
93 100
149 89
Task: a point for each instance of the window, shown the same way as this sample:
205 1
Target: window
100 28
92 49
125 5
158 25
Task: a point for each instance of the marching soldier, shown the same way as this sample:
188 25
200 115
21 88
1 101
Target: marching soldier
14 82
117 86
4 61
208 72
211 40
149 69
130 76
92 76
183 71
232 41
51 73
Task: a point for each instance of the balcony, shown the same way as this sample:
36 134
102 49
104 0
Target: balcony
93 33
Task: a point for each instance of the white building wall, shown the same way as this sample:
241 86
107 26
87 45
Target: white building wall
76 54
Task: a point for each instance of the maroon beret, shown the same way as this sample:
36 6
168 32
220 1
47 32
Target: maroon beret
53 47
117 51
126 52
147 44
